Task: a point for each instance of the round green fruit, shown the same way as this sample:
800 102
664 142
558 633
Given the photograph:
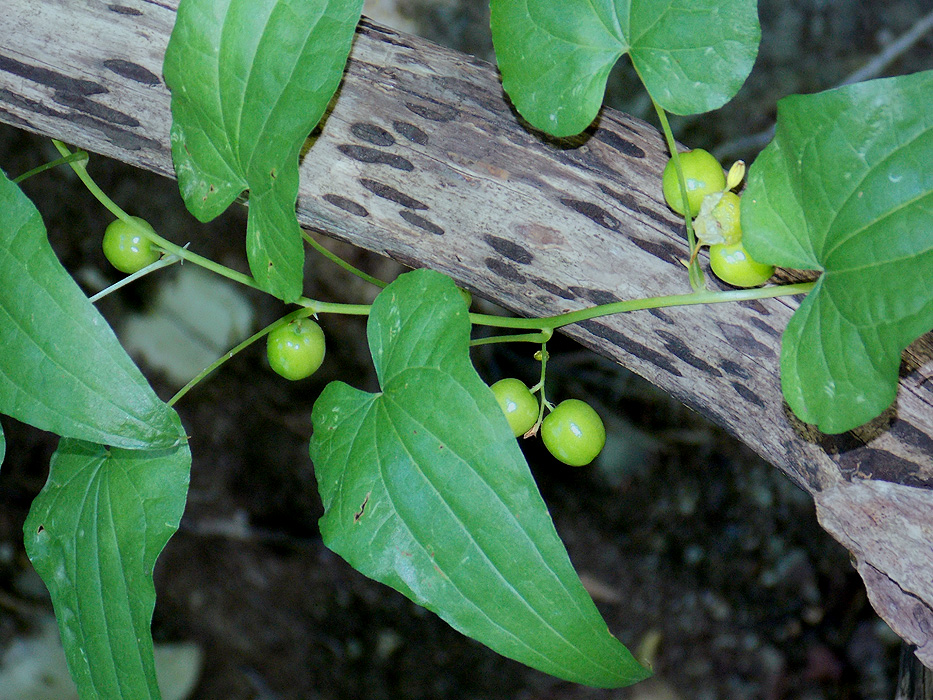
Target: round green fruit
127 249
518 403
573 432
703 174
733 265
296 350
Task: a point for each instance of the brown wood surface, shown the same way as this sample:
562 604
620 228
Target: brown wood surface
423 160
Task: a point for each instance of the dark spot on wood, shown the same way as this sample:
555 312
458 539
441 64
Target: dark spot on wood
120 137
598 296
552 288
365 154
881 465
124 10
735 369
59 83
393 195
421 222
437 112
593 212
370 133
839 443
629 201
474 93
748 394
623 146
756 306
662 251
411 132
348 205
741 339
912 436
679 349
661 315
133 71
509 249
762 325
504 270
630 346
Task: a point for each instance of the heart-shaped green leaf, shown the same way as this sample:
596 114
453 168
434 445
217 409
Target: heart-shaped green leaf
846 187
61 367
93 534
425 489
249 80
555 57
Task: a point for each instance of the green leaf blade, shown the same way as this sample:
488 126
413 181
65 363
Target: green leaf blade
249 80
555 57
93 534
62 369
426 490
846 188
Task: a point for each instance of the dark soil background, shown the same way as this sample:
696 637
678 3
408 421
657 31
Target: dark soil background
699 554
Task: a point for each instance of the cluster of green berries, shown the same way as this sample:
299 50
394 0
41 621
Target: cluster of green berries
573 432
715 209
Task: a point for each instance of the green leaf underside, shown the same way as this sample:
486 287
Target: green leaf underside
555 57
425 489
846 187
93 534
62 369
249 80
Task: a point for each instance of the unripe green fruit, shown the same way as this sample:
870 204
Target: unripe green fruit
703 175
573 432
296 350
127 249
518 403
733 265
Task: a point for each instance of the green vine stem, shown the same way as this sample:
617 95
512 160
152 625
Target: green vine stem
288 318
337 260
542 337
182 252
697 279
164 261
77 156
702 297
539 387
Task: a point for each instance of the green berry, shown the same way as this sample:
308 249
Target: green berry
703 174
733 265
573 432
127 249
296 350
518 403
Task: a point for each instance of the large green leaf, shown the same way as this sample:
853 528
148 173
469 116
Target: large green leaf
249 80
846 187
555 57
425 489
93 534
61 367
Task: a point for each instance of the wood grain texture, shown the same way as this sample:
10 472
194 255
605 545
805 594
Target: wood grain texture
422 159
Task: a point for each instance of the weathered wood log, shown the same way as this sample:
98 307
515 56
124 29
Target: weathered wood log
423 160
